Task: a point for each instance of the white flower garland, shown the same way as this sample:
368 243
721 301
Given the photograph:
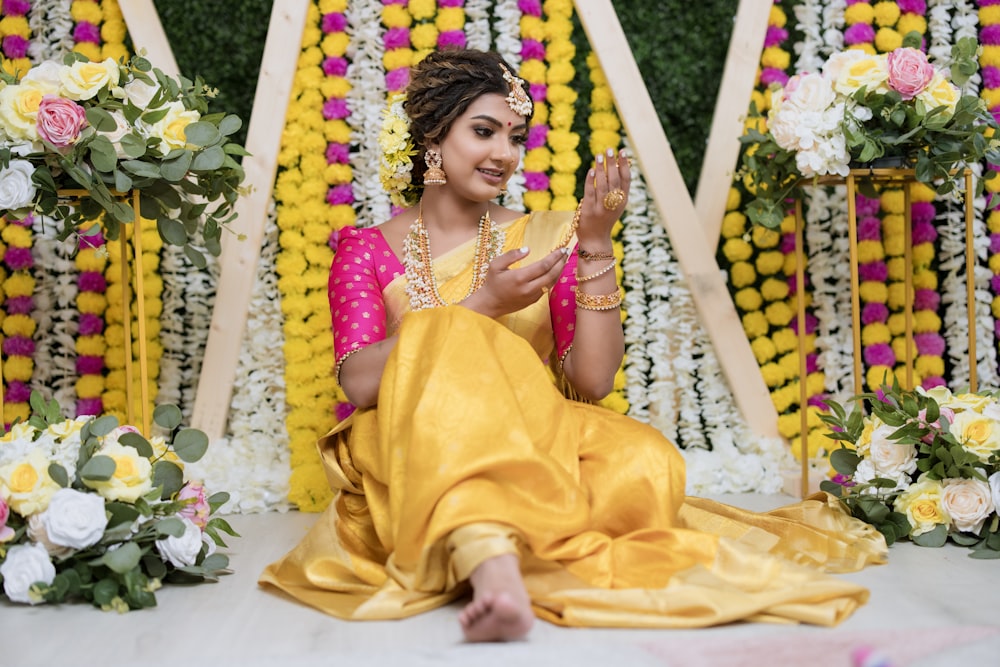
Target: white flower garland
477 24
252 462
833 26
55 314
51 27
366 100
939 30
507 42
807 16
828 265
635 239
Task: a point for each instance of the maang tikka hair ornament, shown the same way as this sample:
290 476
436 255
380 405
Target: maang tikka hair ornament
517 99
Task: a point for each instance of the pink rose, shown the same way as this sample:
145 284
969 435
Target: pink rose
909 71
6 532
60 120
197 509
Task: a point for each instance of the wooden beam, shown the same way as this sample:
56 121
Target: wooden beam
731 106
697 259
238 262
146 31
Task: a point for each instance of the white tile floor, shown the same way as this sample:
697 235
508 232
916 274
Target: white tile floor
929 608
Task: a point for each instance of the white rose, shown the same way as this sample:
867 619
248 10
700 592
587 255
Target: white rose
16 189
995 488
122 127
75 519
39 535
137 92
892 459
840 60
45 77
969 502
26 564
183 550
813 93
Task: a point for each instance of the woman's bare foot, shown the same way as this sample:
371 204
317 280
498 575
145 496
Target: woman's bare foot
500 609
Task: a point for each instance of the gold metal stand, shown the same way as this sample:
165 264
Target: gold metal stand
126 314
899 177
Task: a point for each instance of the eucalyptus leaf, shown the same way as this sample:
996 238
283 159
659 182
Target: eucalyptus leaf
168 416
98 469
122 559
172 231
202 133
168 477
933 538
172 527
139 443
190 444
209 159
59 475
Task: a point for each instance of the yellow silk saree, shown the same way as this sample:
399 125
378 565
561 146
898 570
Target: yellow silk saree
473 452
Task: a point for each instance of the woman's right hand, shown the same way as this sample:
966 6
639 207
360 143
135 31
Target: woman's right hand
507 289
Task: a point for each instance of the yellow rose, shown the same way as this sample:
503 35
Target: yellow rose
83 80
67 428
26 486
921 503
940 92
19 431
18 111
871 72
132 478
170 128
978 434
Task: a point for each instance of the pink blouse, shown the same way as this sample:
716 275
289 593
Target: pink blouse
364 265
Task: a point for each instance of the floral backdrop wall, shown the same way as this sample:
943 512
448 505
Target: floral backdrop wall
59 306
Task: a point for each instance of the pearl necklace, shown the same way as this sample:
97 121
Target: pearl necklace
421 285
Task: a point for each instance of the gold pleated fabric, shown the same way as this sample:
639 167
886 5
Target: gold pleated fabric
472 452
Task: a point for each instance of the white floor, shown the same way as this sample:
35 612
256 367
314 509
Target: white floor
929 607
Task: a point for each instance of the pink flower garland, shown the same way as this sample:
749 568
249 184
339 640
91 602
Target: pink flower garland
989 35
18 260
15 46
90 324
859 33
397 38
451 38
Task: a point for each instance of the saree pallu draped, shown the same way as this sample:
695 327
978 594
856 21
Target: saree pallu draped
472 452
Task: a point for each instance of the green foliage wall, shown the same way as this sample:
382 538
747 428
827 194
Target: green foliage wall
680 47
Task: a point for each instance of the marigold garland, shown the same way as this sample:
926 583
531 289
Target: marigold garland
18 324
15 36
91 300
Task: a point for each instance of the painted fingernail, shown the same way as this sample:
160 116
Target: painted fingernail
523 250
611 152
600 159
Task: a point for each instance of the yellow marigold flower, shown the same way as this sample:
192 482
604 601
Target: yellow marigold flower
748 299
733 199
992 185
17 368
424 36
736 249
892 201
897 294
563 185
989 15
91 303
895 270
734 224
334 44
602 99
764 237
859 13
566 162
331 6
538 159
16 411
563 203
864 48
602 140
994 263
19 284
532 27
911 23
742 274
989 55
870 251
873 292
335 174
923 255
770 262
779 313
875 376
19 325
773 374
887 39
789 425
773 289
563 140
89 386
113 31
926 321
921 192
537 200
776 57
91 346
885 13
925 280
84 11
396 16
311 35
876 332
397 58
422 9
561 95
111 10
16 236
755 324
606 121
788 224
784 398
785 340
790 364
777 17
763 349
541 114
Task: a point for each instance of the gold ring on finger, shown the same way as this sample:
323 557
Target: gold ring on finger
614 199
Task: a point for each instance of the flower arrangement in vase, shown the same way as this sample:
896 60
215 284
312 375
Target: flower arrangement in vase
862 108
922 465
92 510
107 128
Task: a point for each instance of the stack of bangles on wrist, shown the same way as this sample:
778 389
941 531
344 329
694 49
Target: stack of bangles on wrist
598 301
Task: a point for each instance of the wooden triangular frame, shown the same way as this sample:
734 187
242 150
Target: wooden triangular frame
693 231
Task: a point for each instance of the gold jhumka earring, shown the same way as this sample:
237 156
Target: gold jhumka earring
435 174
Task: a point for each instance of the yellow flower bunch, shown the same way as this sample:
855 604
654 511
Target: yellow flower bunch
17 26
18 283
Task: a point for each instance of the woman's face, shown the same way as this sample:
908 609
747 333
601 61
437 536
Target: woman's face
483 148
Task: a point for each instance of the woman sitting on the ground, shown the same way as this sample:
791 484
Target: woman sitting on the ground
470 337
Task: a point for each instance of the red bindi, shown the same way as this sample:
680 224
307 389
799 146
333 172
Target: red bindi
508 123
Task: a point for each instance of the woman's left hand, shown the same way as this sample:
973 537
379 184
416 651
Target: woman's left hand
604 197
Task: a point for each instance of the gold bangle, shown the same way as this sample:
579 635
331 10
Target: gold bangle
598 301
593 256
583 279
571 232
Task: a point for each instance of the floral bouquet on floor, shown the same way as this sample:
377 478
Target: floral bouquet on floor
862 108
92 510
922 465
107 129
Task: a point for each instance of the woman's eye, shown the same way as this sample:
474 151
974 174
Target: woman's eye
484 131
519 139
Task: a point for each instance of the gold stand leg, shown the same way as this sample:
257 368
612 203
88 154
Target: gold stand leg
908 284
126 324
970 282
852 235
140 304
800 302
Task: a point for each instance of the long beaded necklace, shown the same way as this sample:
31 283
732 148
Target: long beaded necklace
421 285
